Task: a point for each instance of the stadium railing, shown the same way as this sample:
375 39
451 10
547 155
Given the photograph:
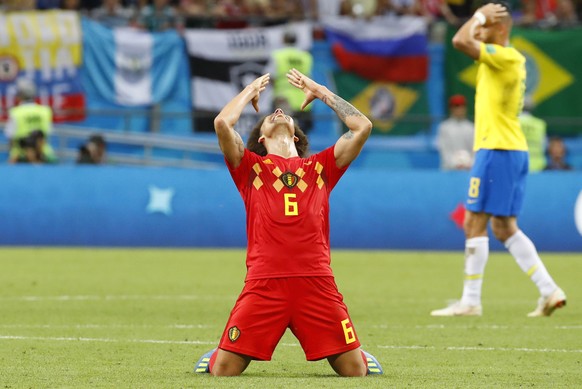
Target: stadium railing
141 149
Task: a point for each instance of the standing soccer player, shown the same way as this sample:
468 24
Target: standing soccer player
497 183
289 281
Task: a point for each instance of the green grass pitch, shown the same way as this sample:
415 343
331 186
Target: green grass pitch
140 318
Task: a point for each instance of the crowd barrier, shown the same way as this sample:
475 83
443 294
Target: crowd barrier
137 207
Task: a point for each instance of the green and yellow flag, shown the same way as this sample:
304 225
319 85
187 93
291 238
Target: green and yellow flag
554 75
394 109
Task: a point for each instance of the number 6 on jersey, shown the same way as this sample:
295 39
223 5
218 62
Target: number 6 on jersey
291 206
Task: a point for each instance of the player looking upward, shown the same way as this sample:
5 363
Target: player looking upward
497 183
289 281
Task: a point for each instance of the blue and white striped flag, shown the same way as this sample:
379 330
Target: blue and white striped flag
125 68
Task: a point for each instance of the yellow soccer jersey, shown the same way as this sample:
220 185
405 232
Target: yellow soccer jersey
499 99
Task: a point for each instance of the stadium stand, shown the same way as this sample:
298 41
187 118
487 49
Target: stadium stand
134 129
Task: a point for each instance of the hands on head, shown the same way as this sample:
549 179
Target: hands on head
493 13
295 78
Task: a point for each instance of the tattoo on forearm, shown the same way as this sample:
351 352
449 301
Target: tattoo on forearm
343 108
348 135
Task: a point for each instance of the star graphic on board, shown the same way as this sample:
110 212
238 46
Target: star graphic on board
160 200
458 215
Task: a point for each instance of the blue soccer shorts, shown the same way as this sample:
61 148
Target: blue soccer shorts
497 183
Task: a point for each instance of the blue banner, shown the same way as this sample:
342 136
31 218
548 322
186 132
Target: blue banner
128 70
117 206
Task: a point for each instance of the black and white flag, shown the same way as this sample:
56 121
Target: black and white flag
223 62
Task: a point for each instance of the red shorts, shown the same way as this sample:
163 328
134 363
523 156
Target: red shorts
312 307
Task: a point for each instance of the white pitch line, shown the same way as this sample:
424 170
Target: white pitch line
115 297
202 326
110 340
472 348
102 340
194 342
106 326
466 327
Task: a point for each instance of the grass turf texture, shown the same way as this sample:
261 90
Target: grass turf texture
141 318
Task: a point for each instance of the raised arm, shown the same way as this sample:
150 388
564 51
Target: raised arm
359 126
465 39
230 142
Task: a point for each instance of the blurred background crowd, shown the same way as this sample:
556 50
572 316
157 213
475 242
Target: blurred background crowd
156 15
418 92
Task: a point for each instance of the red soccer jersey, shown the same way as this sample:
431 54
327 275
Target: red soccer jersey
287 205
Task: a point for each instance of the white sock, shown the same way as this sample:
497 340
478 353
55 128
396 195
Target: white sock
476 255
526 256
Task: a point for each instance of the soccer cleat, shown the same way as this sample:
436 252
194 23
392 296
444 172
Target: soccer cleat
458 309
203 364
373 364
547 305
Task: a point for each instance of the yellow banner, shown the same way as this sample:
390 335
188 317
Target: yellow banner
46 41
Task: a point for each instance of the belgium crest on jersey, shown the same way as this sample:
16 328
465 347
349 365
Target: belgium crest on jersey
233 333
289 179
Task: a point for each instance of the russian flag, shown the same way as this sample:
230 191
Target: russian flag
387 48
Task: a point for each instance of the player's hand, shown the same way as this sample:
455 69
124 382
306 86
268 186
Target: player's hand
493 13
306 84
256 87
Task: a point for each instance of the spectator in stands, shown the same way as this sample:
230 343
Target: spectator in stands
23 120
94 151
566 13
549 13
196 14
462 9
557 155
231 13
286 96
193 8
434 10
538 12
282 11
384 7
19 5
48 4
31 149
534 130
359 8
159 16
310 9
136 5
112 14
328 8
405 7
71 5
257 7
455 137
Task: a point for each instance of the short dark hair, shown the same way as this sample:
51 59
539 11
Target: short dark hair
98 139
31 141
253 144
